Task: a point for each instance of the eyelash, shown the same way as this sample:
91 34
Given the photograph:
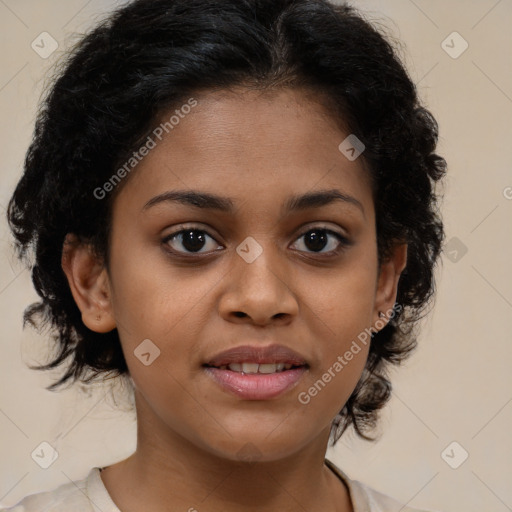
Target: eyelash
343 242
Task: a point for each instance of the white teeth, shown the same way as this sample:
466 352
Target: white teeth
267 368
252 368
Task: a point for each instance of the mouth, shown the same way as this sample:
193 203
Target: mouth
257 373
250 368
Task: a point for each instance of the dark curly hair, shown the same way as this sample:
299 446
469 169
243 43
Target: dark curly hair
150 55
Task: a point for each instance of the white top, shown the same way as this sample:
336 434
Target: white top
90 495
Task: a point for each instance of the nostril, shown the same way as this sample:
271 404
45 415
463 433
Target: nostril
240 314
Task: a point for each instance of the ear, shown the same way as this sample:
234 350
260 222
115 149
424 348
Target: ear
387 283
89 284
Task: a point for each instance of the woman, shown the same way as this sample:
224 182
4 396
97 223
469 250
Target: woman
232 207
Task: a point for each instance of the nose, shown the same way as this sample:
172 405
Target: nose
259 292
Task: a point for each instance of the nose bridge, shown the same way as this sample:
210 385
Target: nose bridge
258 266
258 287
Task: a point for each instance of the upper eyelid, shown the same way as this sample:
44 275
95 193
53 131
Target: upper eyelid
302 230
182 228
308 228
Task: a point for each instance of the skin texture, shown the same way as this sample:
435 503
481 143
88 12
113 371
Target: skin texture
257 149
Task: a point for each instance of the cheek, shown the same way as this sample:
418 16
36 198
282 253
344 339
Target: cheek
343 300
153 298
328 387
343 312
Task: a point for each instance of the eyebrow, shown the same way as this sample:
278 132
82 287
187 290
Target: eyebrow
205 200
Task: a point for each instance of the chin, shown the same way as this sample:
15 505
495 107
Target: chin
251 446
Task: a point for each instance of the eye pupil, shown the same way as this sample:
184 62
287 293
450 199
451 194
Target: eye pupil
315 240
193 240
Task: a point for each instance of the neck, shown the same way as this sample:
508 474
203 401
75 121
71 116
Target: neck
169 472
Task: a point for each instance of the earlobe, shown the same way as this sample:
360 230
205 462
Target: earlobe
387 284
89 283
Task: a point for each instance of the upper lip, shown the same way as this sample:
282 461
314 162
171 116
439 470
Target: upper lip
257 354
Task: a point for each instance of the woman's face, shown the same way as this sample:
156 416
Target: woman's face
262 267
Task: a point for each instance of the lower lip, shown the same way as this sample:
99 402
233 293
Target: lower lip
256 386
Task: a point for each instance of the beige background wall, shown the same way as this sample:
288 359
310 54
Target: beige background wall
458 385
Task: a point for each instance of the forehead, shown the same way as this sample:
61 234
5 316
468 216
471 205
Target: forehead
245 119
258 145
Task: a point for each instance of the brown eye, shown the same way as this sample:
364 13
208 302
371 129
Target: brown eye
192 240
317 239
